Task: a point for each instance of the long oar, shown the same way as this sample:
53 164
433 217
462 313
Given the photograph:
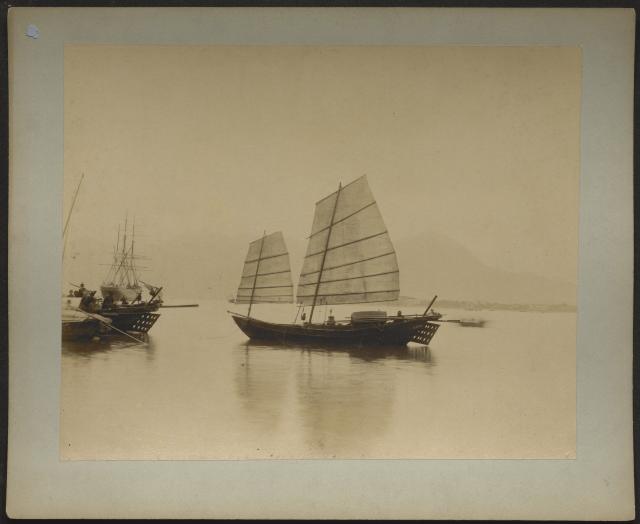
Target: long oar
112 327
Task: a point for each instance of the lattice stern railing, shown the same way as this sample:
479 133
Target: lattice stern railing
425 333
145 322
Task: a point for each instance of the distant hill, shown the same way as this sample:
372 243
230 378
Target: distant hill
197 266
433 264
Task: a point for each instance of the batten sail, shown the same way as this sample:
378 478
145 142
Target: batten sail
266 276
350 258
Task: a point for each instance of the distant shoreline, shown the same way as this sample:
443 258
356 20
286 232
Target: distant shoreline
482 305
479 305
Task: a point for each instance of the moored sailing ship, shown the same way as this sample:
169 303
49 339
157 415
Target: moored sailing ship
122 280
349 260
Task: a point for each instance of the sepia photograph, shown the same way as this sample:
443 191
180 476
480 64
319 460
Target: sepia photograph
320 263
319 252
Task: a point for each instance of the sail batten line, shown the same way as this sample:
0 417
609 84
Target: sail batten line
274 299
266 287
353 293
271 273
343 219
352 278
259 259
349 263
267 296
346 244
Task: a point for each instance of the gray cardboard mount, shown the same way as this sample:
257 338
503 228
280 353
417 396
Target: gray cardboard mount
597 485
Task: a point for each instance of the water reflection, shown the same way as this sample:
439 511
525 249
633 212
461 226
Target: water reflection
261 382
367 354
344 403
87 349
207 393
342 399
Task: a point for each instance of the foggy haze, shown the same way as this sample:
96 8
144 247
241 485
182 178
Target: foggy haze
471 152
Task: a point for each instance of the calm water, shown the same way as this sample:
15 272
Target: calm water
200 390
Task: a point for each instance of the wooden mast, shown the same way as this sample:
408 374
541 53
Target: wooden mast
123 261
429 306
324 254
66 224
255 277
132 259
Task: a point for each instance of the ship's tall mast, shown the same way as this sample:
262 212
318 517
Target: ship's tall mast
255 278
111 275
124 242
123 255
324 254
66 224
118 241
133 240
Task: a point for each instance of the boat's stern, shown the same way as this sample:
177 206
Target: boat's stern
424 333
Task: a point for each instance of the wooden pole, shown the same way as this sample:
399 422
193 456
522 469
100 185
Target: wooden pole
73 203
66 224
324 255
132 259
429 306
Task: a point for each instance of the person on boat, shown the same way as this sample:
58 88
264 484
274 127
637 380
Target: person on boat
124 301
138 297
70 293
87 301
108 301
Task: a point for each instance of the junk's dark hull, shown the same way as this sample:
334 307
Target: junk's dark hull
137 318
391 333
81 329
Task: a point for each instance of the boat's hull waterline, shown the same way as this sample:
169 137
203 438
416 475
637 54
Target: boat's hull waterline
398 332
81 329
79 325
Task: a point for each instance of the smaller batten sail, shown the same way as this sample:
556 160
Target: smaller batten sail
266 277
350 258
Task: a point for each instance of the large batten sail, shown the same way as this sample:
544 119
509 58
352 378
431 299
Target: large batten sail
350 258
266 277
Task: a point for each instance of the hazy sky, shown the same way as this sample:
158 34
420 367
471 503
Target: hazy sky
209 146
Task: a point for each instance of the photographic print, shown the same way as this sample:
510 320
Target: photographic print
321 263
320 252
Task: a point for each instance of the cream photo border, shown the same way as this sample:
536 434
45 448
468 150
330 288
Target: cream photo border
597 485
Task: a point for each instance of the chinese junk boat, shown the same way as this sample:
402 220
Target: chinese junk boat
350 260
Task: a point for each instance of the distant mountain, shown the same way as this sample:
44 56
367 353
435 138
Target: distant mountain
434 264
200 266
